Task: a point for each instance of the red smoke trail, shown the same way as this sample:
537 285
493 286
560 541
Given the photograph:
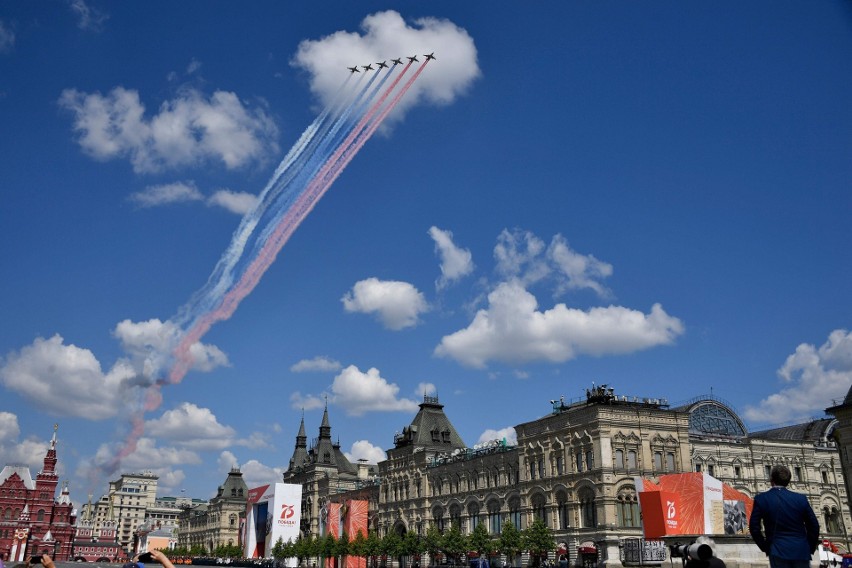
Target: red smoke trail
294 216
285 228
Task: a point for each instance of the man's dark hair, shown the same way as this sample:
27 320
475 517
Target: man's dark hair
780 475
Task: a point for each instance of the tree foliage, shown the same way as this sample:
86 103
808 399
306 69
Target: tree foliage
454 542
538 538
510 542
480 541
432 541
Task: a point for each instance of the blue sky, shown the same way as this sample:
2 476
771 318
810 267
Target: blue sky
655 197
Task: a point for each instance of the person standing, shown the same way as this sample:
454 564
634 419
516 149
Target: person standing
790 531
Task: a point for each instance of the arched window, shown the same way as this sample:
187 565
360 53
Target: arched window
438 517
562 510
627 508
538 507
515 512
40 516
455 516
473 514
588 511
832 520
494 525
619 459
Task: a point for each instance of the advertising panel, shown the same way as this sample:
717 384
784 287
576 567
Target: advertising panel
272 512
705 505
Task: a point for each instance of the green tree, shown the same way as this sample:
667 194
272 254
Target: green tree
373 546
327 546
411 544
454 543
391 544
228 551
480 541
432 542
358 545
341 550
510 542
306 547
538 539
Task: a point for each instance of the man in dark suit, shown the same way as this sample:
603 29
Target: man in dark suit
790 532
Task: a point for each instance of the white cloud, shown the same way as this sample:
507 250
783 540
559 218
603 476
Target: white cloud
146 456
519 255
254 472
455 262
239 202
9 428
188 131
89 19
7 37
522 256
512 330
65 380
397 304
577 270
306 402
193 66
165 194
358 392
29 452
508 433
424 389
319 363
192 427
152 342
386 35
364 450
816 378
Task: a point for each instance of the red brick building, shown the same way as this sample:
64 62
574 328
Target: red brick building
32 520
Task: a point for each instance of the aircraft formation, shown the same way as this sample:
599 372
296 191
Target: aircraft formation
384 64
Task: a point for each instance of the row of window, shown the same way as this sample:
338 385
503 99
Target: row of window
585 461
796 471
9 514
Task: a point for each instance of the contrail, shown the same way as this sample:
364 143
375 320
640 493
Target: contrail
310 167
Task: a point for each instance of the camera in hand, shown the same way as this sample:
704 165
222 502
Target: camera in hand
146 557
35 560
692 551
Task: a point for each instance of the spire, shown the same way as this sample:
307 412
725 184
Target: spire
301 436
300 453
325 427
50 458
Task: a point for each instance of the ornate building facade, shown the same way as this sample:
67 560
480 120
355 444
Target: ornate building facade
32 520
843 436
323 471
575 468
124 507
96 545
216 523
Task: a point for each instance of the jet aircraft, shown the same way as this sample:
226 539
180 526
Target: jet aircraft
413 58
367 67
397 61
382 64
354 69
430 56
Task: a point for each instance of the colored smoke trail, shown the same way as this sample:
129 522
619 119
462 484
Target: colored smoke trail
310 167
